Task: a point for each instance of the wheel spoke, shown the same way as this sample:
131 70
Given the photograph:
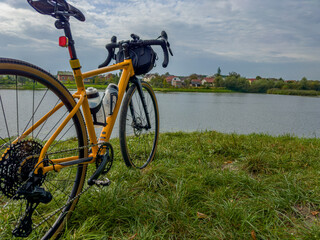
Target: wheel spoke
43 218
22 105
33 113
42 126
17 104
55 125
5 119
59 140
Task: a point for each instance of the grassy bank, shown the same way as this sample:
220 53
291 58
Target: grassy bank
293 92
72 86
209 186
22 87
212 90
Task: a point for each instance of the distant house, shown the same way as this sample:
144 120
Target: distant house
108 76
195 83
148 77
88 80
208 80
251 80
176 82
169 79
65 76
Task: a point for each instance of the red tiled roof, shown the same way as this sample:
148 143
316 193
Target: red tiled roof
110 75
170 78
209 80
196 81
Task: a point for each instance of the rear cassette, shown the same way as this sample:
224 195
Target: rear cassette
15 166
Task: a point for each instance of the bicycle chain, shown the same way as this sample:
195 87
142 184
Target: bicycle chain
75 197
59 209
73 149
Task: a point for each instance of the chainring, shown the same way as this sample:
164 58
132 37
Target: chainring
16 163
105 151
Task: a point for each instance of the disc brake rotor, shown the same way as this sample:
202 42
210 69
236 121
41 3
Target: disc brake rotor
137 126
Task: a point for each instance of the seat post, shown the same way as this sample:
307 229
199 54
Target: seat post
67 31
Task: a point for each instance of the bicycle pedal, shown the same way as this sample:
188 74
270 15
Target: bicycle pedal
105 182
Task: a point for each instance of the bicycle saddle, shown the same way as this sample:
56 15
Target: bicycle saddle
56 8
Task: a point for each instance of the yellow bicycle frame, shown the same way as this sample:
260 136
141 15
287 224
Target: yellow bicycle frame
127 72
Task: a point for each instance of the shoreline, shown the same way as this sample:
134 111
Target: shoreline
291 92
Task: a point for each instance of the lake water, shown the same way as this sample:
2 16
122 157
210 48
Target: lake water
240 113
233 112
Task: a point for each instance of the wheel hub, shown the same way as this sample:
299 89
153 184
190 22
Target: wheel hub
137 126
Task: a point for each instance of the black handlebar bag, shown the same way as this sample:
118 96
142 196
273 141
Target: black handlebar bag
143 58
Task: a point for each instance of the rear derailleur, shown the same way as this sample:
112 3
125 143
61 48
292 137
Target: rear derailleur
33 194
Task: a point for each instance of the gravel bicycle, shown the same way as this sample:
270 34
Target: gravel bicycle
47 135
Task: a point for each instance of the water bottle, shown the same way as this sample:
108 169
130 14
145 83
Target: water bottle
110 99
95 104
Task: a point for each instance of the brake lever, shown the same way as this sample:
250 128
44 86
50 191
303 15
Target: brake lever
164 36
168 46
135 37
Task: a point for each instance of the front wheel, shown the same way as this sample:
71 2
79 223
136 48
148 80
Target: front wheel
138 141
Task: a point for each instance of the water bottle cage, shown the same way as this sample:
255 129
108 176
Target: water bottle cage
111 102
94 112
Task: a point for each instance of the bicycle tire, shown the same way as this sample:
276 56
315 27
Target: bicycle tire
63 185
138 146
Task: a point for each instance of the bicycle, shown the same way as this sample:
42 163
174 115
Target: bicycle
45 154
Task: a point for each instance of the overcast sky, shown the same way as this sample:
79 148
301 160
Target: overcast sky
270 38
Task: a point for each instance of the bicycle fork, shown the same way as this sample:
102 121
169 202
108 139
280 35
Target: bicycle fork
138 84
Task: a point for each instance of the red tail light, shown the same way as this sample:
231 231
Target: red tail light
63 41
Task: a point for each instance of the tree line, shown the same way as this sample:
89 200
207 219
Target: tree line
233 81
236 82
261 85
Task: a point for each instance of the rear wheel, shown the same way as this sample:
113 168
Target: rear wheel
138 142
27 93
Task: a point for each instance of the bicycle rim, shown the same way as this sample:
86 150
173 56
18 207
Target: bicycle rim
26 94
138 144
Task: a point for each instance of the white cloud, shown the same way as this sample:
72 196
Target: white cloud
21 24
264 32
248 30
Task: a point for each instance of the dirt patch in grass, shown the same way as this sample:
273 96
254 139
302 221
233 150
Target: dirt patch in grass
309 215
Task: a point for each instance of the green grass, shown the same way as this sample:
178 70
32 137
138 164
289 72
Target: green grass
244 185
208 185
22 87
293 92
210 90
72 86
